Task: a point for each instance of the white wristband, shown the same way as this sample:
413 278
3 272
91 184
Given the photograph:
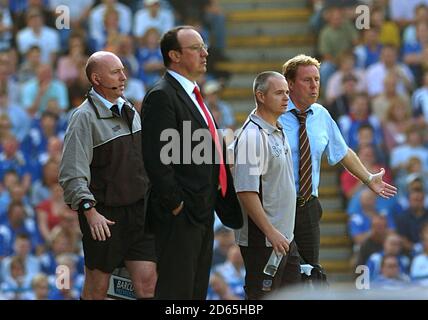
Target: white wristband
369 179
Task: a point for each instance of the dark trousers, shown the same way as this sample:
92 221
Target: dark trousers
258 284
184 252
307 231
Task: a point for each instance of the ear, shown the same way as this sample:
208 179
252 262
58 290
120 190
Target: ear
95 79
174 55
290 84
260 96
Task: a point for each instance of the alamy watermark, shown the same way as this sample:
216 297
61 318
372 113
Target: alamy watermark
363 17
63 19
362 282
197 147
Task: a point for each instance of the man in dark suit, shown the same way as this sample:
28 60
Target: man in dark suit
185 190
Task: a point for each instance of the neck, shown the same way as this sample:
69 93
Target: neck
298 104
266 116
102 93
183 73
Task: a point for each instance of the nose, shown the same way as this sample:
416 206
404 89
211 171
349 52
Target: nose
204 52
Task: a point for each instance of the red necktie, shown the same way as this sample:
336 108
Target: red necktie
222 176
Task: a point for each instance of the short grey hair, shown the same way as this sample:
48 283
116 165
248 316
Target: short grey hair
261 81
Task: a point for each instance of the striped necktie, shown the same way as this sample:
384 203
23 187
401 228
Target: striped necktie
305 162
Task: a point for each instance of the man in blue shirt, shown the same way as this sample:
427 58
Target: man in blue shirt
302 74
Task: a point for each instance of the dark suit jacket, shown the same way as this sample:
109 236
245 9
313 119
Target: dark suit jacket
167 106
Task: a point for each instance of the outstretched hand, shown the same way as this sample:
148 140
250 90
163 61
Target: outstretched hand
380 187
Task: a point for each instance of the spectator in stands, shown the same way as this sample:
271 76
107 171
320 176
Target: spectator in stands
368 52
359 115
381 102
97 17
8 79
413 53
346 63
19 120
18 223
396 122
40 288
409 223
360 220
41 189
302 74
420 101
403 13
390 277
389 32
38 34
419 267
60 242
18 284
36 142
233 271
391 246
219 290
22 249
340 106
421 15
6 26
28 67
127 54
71 289
150 58
152 16
13 159
36 93
69 65
221 111
223 240
413 147
336 38
374 241
388 63
49 211
21 18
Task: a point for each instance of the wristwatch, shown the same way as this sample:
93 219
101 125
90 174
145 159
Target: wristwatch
86 205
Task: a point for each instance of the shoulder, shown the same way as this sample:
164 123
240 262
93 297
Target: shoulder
320 111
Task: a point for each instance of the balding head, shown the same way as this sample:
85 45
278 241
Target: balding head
99 61
105 72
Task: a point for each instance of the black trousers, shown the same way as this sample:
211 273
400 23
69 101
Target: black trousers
184 252
258 284
307 231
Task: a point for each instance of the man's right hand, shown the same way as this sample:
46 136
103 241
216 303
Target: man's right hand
177 210
279 243
98 225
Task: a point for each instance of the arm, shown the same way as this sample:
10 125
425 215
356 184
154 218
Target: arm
158 117
75 175
252 205
374 181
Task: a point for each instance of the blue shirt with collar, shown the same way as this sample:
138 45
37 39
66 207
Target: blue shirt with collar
120 101
323 135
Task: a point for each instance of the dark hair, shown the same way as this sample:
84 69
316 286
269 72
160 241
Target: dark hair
169 41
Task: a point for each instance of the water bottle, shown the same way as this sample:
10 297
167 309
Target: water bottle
272 265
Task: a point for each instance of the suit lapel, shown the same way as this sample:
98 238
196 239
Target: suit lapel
186 100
